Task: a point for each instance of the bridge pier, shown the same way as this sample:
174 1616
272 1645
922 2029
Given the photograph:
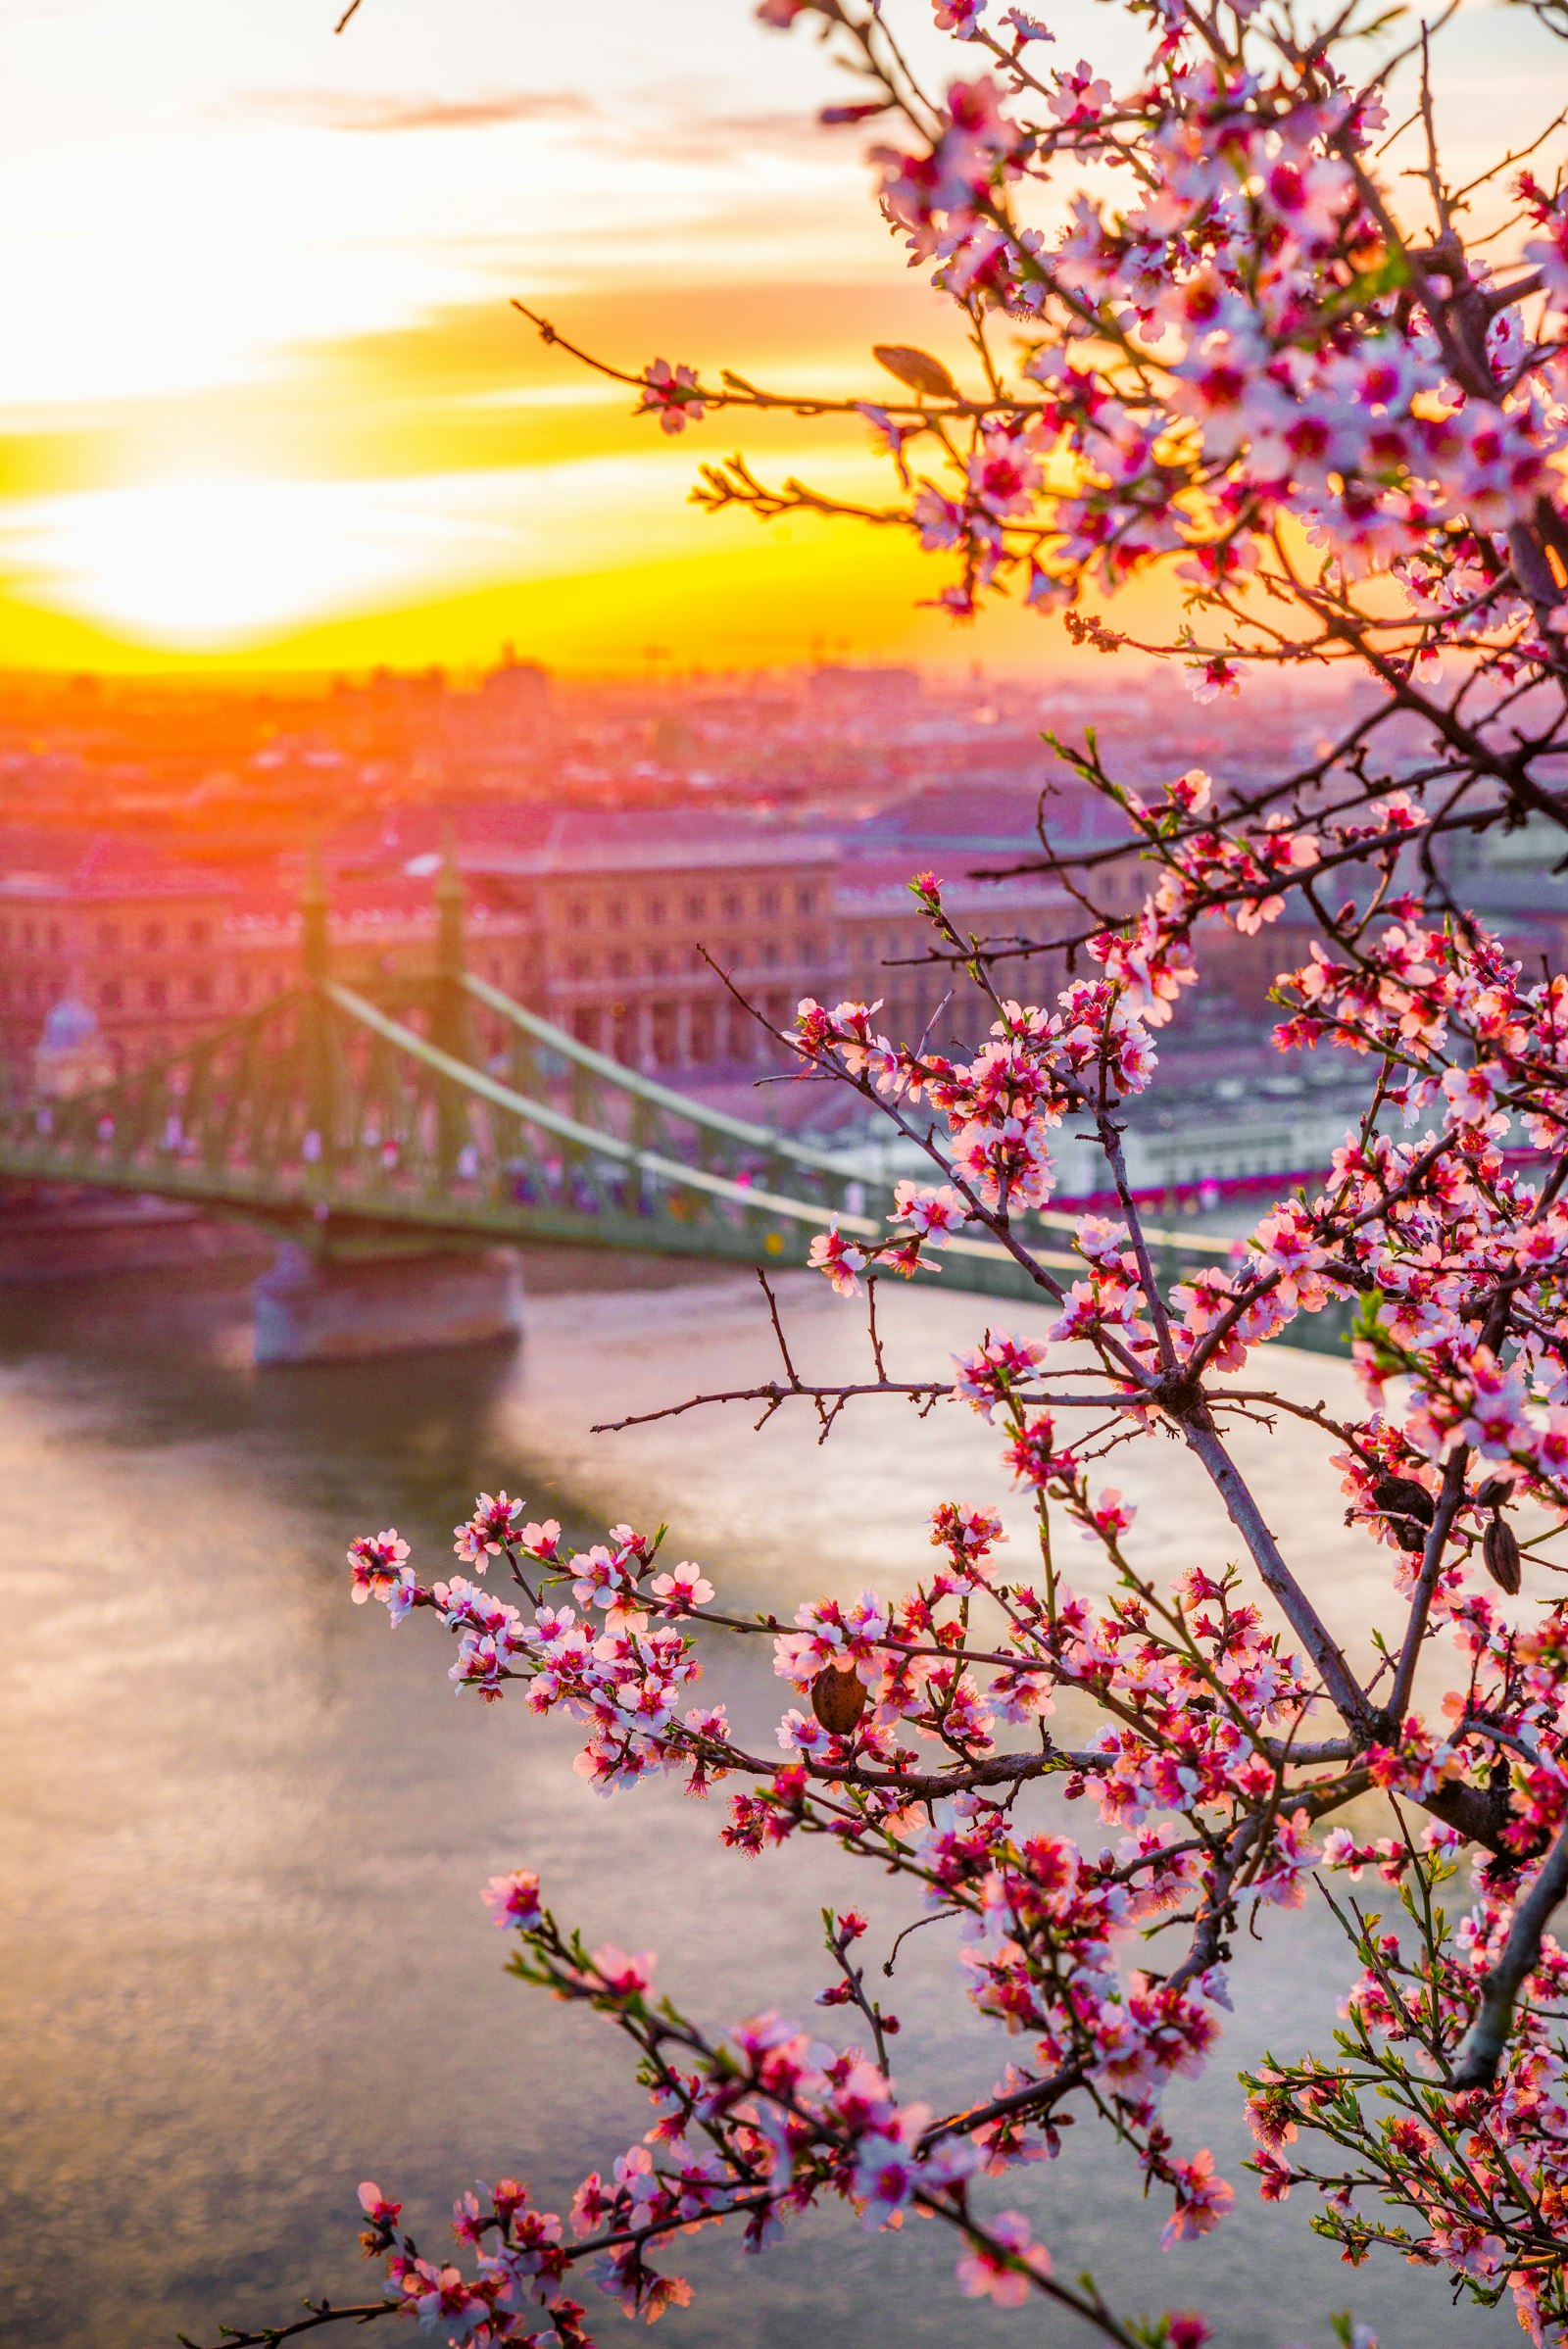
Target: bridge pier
339 1309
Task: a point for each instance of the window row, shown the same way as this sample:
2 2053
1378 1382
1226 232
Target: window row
679 1035
894 944
200 992
619 911
658 962
107 936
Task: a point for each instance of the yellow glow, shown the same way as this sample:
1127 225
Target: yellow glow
211 561
221 563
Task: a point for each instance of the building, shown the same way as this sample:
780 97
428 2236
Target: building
678 939
130 933
639 918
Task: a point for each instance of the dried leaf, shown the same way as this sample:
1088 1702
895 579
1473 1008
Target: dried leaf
917 369
1402 1496
1500 1551
838 1700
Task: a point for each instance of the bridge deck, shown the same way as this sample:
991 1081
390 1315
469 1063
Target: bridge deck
332 1119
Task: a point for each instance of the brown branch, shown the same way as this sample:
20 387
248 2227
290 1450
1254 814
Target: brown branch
1489 2035
1001 2108
1449 1503
773 1393
1202 1439
364 2312
934 1786
874 1332
778 1330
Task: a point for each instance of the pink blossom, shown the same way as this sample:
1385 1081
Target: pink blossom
684 1588
840 1259
513 1900
1201 2200
627 1977
671 393
378 1563
1002 2273
490 1530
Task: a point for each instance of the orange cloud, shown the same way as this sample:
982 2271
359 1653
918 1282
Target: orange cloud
409 471
364 110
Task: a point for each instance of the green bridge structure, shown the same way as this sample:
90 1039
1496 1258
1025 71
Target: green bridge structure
393 1158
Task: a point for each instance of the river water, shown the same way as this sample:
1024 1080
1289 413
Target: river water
243 1963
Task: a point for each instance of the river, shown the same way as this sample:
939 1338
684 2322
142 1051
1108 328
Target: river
243 1957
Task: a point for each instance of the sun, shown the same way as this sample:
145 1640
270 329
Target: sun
214 562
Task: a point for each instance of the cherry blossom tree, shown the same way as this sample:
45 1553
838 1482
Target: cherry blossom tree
1231 319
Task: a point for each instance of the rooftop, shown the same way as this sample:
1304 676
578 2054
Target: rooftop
519 841
49 866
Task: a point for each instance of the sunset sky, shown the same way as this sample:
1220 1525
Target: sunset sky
262 396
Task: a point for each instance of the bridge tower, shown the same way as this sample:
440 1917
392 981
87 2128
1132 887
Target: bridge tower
448 1003
333 1295
315 1038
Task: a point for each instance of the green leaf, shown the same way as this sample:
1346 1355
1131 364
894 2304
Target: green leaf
1370 1329
1370 285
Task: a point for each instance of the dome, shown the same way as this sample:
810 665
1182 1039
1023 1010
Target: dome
69 1026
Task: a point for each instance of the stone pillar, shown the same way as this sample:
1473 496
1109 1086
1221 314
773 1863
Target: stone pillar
312 1309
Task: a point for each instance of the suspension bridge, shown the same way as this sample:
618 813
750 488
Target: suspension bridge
364 1128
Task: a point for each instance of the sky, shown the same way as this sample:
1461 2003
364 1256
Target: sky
264 400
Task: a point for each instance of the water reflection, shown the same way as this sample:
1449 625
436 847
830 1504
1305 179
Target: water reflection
243 1958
